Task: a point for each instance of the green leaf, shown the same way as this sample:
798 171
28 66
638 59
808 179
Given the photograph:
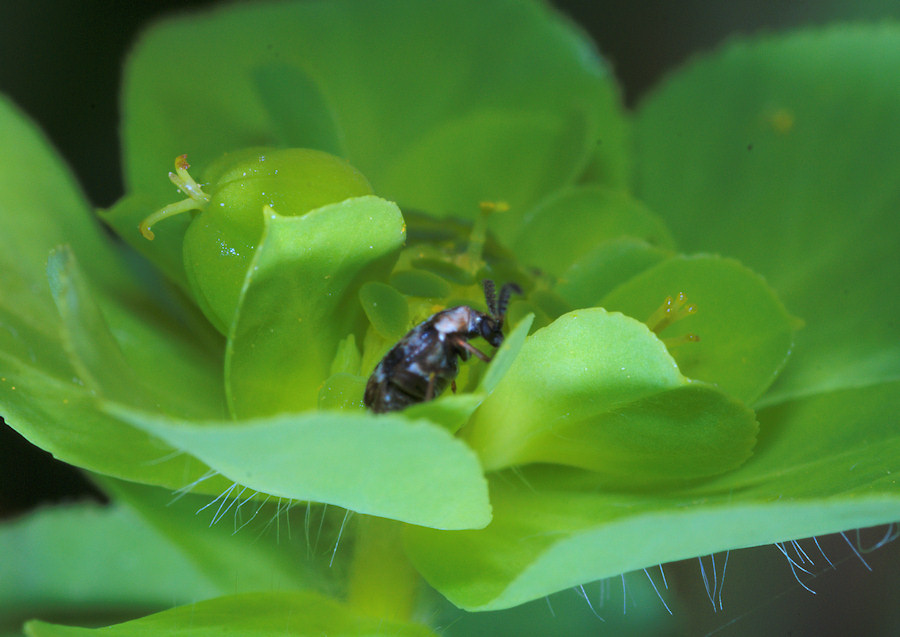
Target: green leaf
420 283
347 360
165 252
566 614
36 215
65 418
91 347
745 333
612 163
228 539
42 392
282 88
782 151
342 390
548 303
386 309
599 391
471 132
488 155
574 222
443 269
823 464
300 300
506 355
450 411
71 556
600 270
42 207
166 343
250 615
386 466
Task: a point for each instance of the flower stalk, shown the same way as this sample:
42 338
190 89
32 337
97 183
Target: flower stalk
383 583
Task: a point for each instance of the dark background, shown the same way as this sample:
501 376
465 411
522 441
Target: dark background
60 62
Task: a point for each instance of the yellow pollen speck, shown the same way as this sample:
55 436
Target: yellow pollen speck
782 120
493 206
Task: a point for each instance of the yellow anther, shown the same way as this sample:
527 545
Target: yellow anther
488 207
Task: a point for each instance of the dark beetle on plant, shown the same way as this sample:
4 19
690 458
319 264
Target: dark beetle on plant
424 362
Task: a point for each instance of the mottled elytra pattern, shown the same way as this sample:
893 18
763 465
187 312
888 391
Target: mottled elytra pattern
425 361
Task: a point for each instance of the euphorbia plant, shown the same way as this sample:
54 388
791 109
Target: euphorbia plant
356 167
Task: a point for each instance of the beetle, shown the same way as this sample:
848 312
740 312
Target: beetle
421 365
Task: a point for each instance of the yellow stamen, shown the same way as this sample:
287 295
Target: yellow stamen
488 207
681 340
479 231
671 310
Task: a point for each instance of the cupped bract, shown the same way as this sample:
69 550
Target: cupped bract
221 240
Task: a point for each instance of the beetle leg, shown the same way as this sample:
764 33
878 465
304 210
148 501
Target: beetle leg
468 346
453 386
429 393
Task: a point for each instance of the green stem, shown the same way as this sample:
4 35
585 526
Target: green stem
476 240
383 583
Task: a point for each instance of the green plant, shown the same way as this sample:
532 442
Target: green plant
597 424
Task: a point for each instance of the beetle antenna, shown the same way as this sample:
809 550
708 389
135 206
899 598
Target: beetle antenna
490 296
505 292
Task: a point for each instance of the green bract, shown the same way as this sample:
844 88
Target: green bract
253 615
219 245
645 406
599 391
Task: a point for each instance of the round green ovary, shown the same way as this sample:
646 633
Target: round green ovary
221 241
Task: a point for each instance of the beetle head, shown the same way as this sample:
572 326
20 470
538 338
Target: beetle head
491 326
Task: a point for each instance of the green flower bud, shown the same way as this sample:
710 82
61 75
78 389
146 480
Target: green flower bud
220 242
